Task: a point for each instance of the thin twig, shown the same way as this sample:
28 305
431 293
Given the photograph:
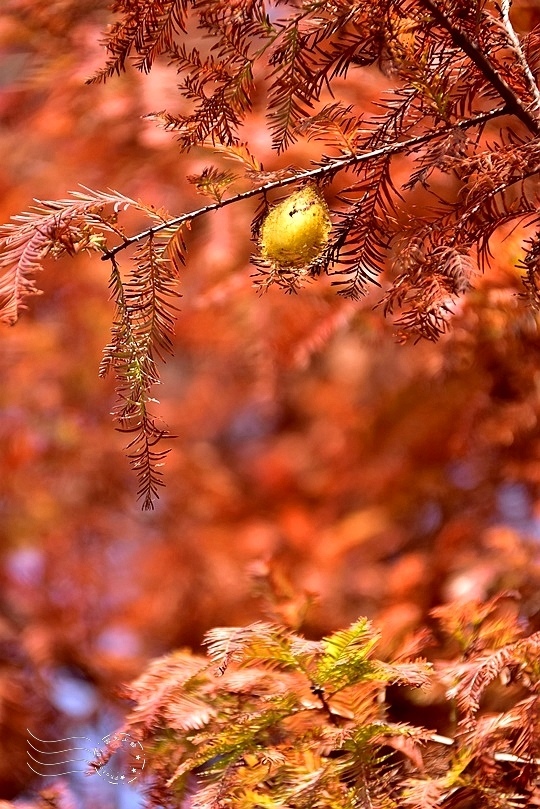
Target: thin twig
321 696
516 44
509 757
328 168
460 40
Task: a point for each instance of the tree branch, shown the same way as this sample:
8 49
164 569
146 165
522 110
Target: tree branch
313 174
512 36
460 40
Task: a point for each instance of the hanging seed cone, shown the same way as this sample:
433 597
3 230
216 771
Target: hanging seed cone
296 230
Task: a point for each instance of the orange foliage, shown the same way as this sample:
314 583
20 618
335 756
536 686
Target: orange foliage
356 475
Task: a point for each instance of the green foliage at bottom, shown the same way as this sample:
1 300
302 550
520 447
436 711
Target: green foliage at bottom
271 719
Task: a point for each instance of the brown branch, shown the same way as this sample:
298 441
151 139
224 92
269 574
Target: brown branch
313 174
512 36
460 40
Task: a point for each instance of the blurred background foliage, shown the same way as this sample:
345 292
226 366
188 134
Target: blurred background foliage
315 456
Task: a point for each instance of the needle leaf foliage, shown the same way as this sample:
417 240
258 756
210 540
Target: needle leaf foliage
420 182
269 718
